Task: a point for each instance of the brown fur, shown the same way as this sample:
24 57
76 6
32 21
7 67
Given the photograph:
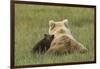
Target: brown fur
64 44
63 41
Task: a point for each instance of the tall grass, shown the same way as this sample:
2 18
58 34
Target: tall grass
31 23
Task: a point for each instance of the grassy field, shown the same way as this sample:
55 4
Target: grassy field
31 23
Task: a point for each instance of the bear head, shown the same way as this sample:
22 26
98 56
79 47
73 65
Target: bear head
56 27
48 37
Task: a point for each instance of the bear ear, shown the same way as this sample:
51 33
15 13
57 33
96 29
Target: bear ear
51 24
66 23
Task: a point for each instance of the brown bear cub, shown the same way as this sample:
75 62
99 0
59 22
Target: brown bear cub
43 45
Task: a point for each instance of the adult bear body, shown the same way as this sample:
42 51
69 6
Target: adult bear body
64 42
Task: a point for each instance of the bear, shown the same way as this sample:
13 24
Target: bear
63 42
43 45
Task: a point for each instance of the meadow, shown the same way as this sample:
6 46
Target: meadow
31 23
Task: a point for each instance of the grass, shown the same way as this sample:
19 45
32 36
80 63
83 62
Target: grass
31 23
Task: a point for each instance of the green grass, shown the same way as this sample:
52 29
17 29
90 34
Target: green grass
31 23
